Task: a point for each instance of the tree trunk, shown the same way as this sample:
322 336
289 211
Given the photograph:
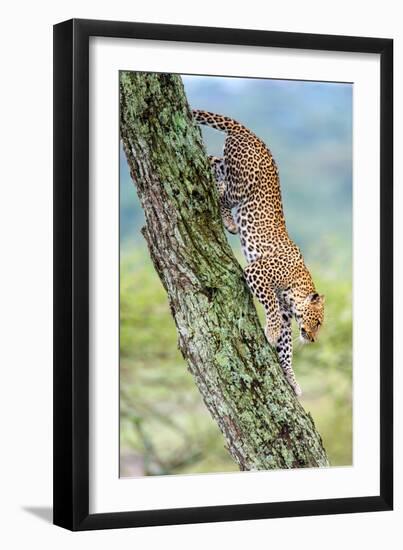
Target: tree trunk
219 334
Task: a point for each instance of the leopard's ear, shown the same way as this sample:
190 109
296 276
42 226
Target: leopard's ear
322 297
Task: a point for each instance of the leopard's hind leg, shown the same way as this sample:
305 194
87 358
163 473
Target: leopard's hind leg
218 169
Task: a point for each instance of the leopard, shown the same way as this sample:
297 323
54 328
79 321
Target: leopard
248 186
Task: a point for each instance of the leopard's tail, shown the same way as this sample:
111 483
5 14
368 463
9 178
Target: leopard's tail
219 122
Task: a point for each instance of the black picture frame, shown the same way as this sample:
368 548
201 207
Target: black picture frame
71 274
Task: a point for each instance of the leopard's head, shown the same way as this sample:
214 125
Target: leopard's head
311 318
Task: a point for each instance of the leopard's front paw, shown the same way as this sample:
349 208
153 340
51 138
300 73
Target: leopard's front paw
231 228
297 390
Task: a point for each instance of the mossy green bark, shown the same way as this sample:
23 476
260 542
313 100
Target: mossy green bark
219 334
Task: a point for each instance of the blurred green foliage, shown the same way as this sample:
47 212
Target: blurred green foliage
166 428
308 128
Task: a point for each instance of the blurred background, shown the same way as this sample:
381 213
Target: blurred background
164 426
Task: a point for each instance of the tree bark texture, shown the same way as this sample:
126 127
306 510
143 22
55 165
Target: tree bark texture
219 334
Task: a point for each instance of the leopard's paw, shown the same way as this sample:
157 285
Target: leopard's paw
232 228
297 390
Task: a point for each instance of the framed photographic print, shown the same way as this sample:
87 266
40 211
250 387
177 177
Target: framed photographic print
222 197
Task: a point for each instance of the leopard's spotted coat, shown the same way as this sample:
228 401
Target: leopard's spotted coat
248 182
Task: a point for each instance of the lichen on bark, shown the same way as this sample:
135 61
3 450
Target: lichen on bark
219 334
